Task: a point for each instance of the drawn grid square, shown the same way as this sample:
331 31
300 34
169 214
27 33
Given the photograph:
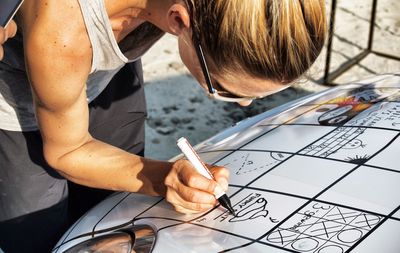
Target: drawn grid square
245 166
303 176
281 139
367 188
384 239
387 158
323 226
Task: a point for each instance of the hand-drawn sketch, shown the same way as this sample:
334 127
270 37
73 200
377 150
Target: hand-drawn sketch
249 165
321 227
321 177
383 115
352 144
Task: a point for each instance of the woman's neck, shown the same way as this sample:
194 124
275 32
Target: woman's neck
125 16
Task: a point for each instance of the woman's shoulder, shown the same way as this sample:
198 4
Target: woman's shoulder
54 24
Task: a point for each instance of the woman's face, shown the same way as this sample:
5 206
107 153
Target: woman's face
238 84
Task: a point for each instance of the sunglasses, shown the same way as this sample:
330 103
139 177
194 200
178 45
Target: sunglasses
212 92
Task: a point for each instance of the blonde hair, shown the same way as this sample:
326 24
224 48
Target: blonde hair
273 39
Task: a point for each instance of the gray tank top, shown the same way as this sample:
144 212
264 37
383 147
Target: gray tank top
16 104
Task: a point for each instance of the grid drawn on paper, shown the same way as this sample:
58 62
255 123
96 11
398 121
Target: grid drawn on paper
335 230
334 233
323 226
330 227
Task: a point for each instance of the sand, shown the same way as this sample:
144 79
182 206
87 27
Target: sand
177 106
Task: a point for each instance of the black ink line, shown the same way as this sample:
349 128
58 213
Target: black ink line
199 225
239 247
250 243
366 220
281 125
352 208
114 228
317 200
298 234
344 226
344 126
265 133
304 155
325 229
272 191
109 211
384 147
341 214
373 229
323 147
307 203
93 232
255 208
335 221
69 232
340 231
77 222
394 218
320 193
286 160
237 203
147 209
351 171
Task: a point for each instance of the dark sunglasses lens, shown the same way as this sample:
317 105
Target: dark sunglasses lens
227 94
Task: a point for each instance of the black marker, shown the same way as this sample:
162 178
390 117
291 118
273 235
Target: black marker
192 156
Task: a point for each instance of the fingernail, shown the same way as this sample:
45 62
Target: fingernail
223 183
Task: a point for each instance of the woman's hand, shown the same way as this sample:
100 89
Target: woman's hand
190 192
5 33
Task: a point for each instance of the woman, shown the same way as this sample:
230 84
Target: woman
80 52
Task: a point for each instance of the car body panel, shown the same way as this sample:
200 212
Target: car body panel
320 174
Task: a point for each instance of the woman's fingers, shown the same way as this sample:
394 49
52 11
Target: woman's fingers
189 185
221 175
190 177
183 206
2 40
5 34
195 195
11 29
190 192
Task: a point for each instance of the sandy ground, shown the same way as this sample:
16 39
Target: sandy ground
177 106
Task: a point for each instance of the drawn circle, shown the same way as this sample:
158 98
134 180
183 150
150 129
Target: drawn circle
305 244
337 120
278 237
349 235
331 249
278 156
371 220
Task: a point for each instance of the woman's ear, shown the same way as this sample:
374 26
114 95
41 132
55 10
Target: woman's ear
178 19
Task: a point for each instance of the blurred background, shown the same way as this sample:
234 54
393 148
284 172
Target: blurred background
177 106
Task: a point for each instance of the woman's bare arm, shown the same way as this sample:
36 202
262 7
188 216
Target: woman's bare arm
58 57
